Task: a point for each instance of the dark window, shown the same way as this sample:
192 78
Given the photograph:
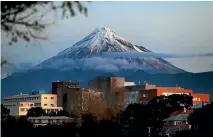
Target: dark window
45 97
31 105
52 97
65 99
52 105
45 104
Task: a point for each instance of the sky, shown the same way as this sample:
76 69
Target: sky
162 27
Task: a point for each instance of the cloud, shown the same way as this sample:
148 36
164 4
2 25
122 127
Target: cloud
151 54
95 63
13 67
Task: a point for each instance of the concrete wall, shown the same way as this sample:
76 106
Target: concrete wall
48 100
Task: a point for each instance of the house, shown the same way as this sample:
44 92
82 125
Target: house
176 122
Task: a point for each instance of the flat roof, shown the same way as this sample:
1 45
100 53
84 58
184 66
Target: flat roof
49 117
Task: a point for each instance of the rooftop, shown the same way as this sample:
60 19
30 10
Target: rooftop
49 117
179 117
186 111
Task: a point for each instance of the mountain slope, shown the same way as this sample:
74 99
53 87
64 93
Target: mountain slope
104 40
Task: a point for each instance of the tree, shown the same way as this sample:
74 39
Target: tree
62 113
201 120
35 112
139 117
4 111
23 19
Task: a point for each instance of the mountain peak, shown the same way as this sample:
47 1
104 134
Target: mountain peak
106 29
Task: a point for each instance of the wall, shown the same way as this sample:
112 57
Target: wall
129 83
198 98
77 100
48 100
147 95
168 91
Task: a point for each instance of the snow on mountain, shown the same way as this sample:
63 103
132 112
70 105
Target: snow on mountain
85 54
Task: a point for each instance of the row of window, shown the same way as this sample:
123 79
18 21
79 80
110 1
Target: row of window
11 105
50 97
37 104
143 102
46 110
52 105
47 121
144 95
52 110
196 99
21 99
26 105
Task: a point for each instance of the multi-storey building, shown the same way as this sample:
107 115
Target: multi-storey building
148 94
77 100
20 104
115 92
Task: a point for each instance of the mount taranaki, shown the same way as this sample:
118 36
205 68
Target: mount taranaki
82 62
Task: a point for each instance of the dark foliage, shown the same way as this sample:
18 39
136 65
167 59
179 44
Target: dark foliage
4 111
35 112
134 122
202 119
23 19
62 113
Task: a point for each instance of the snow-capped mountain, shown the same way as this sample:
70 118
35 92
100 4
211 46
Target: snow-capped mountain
105 40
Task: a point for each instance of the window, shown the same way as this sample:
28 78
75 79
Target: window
45 104
22 109
45 97
31 105
52 97
21 104
52 105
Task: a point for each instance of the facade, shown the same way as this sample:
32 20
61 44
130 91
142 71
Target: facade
115 93
45 120
20 104
149 94
77 100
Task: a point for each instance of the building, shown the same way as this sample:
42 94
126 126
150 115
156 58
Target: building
176 122
77 100
148 94
51 120
115 93
20 104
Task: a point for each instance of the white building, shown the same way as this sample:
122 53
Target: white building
20 104
44 120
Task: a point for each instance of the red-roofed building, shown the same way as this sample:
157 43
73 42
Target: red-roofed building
185 111
176 122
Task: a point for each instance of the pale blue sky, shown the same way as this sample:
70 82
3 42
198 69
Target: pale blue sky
165 27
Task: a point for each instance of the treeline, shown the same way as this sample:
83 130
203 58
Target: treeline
135 121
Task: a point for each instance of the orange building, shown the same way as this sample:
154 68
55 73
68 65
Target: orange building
148 94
